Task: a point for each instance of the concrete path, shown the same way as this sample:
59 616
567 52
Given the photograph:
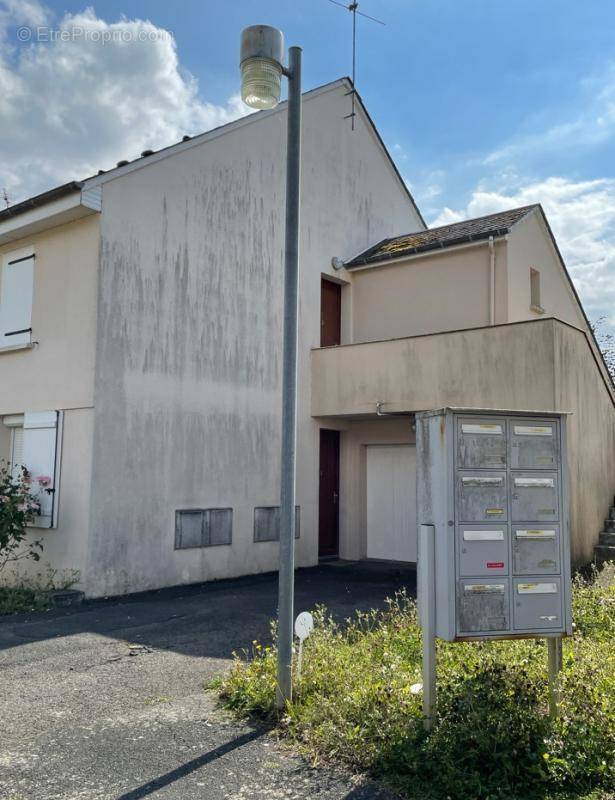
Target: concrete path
105 702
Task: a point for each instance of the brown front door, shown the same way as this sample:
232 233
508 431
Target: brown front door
330 313
328 508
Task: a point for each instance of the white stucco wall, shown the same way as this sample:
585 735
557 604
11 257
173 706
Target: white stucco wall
189 353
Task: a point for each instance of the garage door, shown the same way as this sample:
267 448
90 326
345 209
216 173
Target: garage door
391 502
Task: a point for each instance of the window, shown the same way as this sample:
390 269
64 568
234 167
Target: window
535 291
203 527
36 438
267 523
16 286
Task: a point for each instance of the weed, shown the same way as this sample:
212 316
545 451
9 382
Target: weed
493 737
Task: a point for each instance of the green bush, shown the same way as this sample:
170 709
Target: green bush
355 704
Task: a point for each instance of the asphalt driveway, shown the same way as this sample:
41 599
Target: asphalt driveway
106 702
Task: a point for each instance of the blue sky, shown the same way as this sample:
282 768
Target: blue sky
484 104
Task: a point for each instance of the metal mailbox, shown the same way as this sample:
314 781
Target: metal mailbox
481 496
534 444
492 486
535 496
481 443
537 605
482 550
483 606
536 551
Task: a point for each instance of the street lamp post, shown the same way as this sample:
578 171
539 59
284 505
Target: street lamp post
262 53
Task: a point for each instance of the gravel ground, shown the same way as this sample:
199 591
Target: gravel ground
106 702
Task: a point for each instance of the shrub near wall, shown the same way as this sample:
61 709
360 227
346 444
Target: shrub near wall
355 704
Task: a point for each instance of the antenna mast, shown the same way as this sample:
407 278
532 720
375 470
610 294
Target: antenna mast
354 10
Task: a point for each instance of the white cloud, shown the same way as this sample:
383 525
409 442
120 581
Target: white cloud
106 92
21 12
582 216
592 125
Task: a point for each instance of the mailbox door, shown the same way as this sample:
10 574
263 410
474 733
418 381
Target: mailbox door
534 444
483 606
482 496
481 443
534 497
536 551
537 604
483 550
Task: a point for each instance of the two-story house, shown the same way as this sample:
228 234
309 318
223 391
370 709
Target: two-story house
140 352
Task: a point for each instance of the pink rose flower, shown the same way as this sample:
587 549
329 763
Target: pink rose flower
44 480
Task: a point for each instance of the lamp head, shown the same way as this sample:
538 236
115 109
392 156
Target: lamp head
262 54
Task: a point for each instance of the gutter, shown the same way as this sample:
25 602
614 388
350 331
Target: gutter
40 200
48 210
491 281
419 252
436 245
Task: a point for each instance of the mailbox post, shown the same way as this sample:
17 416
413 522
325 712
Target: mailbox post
492 485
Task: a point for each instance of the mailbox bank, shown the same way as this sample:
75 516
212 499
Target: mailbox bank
493 486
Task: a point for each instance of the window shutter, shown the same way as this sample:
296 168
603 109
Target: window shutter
16 452
41 455
16 298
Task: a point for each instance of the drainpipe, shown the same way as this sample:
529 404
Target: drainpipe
491 281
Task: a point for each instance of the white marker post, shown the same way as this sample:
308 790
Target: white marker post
554 649
427 614
304 625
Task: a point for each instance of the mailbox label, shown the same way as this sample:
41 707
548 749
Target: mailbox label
537 588
533 430
487 427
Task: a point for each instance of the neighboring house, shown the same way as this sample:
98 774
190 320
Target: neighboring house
140 361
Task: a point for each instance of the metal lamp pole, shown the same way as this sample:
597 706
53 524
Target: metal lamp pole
261 64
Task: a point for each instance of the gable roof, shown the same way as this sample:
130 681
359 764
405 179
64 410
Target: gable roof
151 156
476 230
468 230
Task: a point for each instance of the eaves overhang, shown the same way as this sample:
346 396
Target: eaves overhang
58 206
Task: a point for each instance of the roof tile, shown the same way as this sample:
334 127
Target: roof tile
445 236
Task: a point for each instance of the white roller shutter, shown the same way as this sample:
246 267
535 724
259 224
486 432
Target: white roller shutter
41 455
16 289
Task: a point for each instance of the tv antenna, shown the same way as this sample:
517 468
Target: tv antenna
354 10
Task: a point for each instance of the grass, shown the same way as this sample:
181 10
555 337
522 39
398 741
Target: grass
31 593
493 738
14 599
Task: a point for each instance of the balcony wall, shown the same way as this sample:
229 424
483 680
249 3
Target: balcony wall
542 365
507 366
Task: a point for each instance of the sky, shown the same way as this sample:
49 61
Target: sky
483 104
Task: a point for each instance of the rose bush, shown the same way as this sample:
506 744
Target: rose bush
18 508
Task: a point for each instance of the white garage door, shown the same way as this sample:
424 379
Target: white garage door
391 502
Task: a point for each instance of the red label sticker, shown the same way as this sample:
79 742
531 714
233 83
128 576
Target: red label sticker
495 565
